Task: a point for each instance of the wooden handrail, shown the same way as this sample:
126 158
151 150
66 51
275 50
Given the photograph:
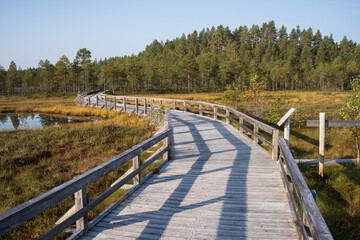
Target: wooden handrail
314 225
214 112
77 186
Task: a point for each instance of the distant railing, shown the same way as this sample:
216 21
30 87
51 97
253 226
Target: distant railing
77 186
141 105
312 224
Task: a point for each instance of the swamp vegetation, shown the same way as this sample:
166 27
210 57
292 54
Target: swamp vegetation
35 161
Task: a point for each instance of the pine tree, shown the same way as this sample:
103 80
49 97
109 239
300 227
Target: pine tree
83 57
2 80
11 77
62 72
188 71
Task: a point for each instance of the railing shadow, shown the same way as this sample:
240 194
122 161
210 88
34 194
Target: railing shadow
209 150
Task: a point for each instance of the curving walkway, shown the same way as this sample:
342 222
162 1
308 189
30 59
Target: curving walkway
218 185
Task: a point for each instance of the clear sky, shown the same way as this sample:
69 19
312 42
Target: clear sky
47 29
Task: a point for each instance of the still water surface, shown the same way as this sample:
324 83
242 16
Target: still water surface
15 121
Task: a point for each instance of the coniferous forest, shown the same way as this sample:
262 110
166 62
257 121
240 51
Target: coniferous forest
205 61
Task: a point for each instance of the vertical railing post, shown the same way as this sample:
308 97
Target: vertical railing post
136 164
227 116
241 122
185 109
137 105
201 110
287 131
275 142
321 144
105 102
80 202
256 131
215 113
145 107
160 102
89 102
166 142
124 102
115 103
286 121
151 105
97 101
174 105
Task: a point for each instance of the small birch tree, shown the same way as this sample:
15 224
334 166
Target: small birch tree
351 111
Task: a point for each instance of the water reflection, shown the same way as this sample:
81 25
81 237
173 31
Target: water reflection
15 121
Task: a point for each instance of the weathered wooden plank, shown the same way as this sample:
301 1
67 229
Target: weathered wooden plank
333 123
285 117
321 144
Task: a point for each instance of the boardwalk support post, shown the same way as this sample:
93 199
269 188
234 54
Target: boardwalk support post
80 202
227 116
136 164
166 144
124 102
241 123
145 107
115 103
286 119
215 113
321 144
105 102
201 110
137 105
287 131
275 142
97 101
185 108
256 131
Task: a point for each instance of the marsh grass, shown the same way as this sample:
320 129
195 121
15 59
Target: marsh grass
338 197
35 161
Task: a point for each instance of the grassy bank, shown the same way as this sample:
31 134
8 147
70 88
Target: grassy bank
338 197
35 161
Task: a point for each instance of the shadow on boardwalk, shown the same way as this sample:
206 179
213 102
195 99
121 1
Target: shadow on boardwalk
201 193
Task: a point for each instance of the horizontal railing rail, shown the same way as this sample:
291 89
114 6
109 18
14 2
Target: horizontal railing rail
141 105
312 224
77 186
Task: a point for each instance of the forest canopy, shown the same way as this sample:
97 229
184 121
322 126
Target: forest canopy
204 61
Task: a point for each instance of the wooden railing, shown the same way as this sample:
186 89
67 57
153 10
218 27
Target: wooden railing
141 105
311 224
77 186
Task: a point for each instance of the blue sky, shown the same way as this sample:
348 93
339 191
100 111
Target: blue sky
39 29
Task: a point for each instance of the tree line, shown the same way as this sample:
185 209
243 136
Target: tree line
204 61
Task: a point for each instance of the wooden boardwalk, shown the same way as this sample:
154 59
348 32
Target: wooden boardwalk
218 185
